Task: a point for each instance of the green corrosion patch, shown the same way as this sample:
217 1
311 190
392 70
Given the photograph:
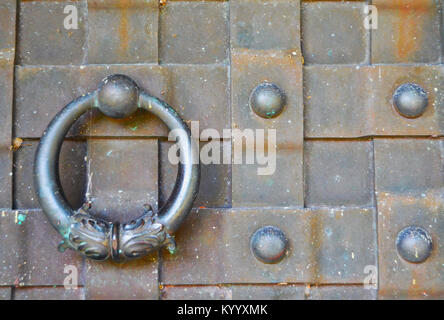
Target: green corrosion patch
21 218
172 251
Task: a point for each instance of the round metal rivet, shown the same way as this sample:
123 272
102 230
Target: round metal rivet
118 96
410 100
269 244
267 100
414 244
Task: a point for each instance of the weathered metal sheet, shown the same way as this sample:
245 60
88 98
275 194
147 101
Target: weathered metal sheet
122 32
338 173
351 170
249 69
44 40
410 32
31 243
325 41
73 175
7 56
270 25
357 101
409 186
203 39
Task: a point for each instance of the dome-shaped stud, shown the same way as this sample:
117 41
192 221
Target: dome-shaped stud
118 96
267 100
414 244
410 100
269 244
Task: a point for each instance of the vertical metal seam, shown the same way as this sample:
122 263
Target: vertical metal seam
376 223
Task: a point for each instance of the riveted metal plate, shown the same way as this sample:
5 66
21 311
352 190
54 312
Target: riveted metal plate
387 121
43 91
400 279
346 101
350 172
219 250
250 68
409 185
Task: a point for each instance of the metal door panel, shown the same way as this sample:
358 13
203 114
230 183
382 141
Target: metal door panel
351 171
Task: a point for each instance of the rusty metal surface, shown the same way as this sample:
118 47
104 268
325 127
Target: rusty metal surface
363 101
119 33
248 69
45 40
338 173
325 41
351 171
410 33
409 185
202 40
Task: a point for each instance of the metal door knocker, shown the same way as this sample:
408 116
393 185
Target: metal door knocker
118 96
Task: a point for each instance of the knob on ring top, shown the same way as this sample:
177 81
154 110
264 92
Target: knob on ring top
118 96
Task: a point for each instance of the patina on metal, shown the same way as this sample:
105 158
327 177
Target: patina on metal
269 244
410 100
267 100
414 244
118 96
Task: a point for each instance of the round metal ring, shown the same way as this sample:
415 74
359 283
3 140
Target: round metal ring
95 238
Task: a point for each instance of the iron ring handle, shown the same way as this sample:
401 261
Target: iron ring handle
118 96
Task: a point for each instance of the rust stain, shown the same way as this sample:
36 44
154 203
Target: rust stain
316 227
123 27
409 25
416 288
